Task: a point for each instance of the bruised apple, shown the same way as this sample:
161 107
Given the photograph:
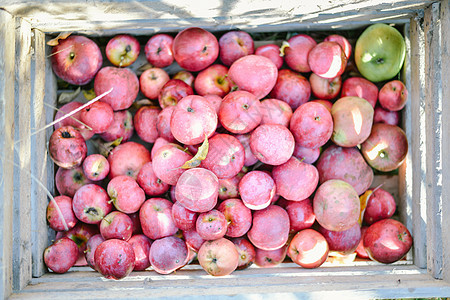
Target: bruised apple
67 147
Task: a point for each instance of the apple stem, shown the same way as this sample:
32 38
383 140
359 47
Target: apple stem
72 117
66 116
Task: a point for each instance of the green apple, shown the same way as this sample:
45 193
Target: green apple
380 52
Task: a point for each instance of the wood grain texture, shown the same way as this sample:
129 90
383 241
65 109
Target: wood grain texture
7 54
102 17
445 66
434 151
22 158
39 164
372 282
418 140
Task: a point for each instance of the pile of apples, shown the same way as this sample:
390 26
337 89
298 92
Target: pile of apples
255 154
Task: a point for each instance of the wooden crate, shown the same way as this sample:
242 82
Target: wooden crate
27 82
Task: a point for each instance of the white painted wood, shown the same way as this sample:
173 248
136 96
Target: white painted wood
445 67
7 54
367 282
433 113
39 164
146 17
418 140
22 158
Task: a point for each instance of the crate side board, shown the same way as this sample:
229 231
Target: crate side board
146 17
373 282
39 155
7 52
22 158
445 66
417 140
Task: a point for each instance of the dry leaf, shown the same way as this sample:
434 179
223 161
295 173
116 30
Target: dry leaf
89 94
67 97
61 36
364 199
105 148
144 67
197 159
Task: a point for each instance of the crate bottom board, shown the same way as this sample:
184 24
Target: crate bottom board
288 281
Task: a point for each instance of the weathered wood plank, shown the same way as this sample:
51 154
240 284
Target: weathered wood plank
445 66
39 202
22 158
146 17
418 140
7 51
404 182
434 130
373 282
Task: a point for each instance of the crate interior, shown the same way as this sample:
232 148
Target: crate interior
390 181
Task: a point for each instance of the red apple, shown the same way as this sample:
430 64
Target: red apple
147 180
121 127
272 144
99 116
295 180
360 251
250 159
327 60
168 254
116 225
145 122
158 50
67 147
386 147
275 111
296 54
225 156
234 45
255 74
127 159
192 119
240 112
307 155
141 246
61 255
381 115
152 81
311 125
218 257
124 83
272 52
163 124
91 203
167 163
301 214
325 88
173 91
64 205
115 259
156 218
380 205
213 80
91 246
270 229
270 258
96 167
257 190
211 225
246 252
68 181
393 95
387 241
308 249
360 87
183 218
342 41
345 241
238 216
197 189
215 101
292 88
125 193
76 59
122 50
195 49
